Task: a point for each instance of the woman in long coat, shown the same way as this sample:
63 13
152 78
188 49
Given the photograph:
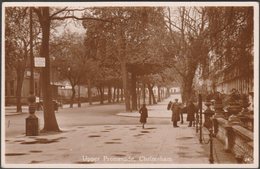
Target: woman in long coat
144 114
191 110
176 108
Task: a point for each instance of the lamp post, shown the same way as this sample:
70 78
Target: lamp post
31 57
71 102
31 122
200 109
200 117
211 159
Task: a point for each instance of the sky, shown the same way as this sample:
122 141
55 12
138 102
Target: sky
71 25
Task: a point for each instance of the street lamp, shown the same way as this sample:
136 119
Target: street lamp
71 102
31 122
199 116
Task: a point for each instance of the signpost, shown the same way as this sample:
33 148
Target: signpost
39 62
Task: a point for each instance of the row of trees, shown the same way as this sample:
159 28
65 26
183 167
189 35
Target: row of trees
124 47
114 60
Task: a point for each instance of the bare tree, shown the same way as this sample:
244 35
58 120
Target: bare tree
187 27
46 15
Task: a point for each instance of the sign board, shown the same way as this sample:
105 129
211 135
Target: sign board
37 100
28 74
39 62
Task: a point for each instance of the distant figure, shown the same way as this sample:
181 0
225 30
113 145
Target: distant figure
144 114
191 110
176 108
169 105
182 111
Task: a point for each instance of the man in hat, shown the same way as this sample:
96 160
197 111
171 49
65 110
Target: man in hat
176 108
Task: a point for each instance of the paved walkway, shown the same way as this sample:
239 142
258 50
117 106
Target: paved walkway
157 110
115 144
118 144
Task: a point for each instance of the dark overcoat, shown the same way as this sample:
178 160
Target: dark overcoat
191 110
176 109
144 114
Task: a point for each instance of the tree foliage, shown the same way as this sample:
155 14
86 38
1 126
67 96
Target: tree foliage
232 42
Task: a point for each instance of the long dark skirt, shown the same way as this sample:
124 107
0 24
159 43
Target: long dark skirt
143 119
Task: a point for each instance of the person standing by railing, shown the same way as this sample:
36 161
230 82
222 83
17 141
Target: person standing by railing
191 110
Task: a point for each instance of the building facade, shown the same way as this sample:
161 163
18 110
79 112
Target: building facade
11 86
224 76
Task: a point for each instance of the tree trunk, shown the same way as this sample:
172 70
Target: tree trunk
72 96
122 58
79 102
126 92
109 94
133 92
153 97
50 122
187 83
117 95
114 95
143 93
19 85
122 94
159 94
89 92
167 92
150 94
139 97
163 93
187 89
101 91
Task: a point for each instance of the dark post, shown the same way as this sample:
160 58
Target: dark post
200 120
31 122
211 159
31 56
197 121
32 125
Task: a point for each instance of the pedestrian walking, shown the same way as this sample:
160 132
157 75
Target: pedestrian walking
191 110
169 105
144 114
176 108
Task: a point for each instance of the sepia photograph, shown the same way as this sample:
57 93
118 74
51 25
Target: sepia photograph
130 84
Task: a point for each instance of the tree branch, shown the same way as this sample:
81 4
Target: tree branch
57 12
80 18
